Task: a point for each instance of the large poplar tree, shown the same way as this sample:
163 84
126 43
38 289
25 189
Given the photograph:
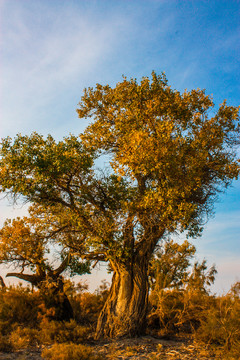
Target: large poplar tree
169 155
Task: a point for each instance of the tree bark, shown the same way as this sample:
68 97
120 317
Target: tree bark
125 310
55 298
2 283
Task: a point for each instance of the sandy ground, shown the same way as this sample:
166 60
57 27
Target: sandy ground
146 347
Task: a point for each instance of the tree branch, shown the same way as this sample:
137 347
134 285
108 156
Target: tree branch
33 279
62 266
2 282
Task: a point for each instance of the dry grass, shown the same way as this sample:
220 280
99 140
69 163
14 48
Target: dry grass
210 327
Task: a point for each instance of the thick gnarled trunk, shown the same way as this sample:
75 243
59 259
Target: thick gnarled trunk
55 298
125 310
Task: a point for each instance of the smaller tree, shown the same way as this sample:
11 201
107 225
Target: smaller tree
201 277
169 267
180 287
28 244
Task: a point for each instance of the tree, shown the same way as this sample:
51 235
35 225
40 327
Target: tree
26 244
179 289
168 161
169 267
201 277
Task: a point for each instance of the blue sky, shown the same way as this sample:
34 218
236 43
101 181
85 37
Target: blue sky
52 49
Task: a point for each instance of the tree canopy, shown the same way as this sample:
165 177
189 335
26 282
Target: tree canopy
38 243
176 156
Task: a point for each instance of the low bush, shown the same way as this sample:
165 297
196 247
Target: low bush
22 338
87 307
60 332
5 327
176 311
18 305
220 326
5 344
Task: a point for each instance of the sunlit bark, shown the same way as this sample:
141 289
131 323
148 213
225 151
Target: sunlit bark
124 313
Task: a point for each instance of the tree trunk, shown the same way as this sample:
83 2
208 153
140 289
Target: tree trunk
125 310
55 298
2 283
61 306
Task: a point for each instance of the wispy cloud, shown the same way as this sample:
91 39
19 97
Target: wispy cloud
40 64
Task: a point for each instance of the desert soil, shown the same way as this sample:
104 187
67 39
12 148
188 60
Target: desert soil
146 347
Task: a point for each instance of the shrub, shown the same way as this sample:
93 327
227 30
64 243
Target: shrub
5 345
175 311
19 305
220 326
22 338
5 327
60 332
87 307
69 352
